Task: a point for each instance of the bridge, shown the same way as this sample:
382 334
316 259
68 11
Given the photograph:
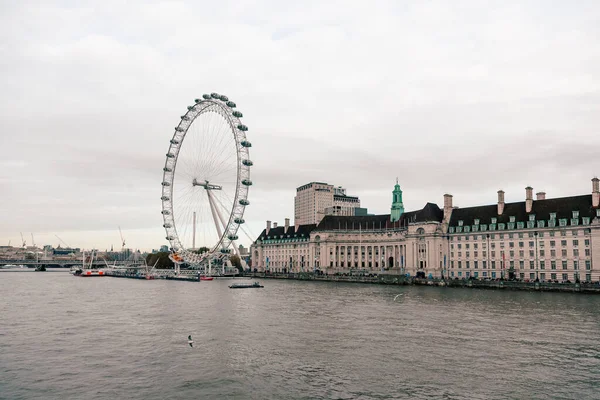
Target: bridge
68 263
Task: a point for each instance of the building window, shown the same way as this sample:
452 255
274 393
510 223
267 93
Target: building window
575 214
531 265
476 221
588 265
521 264
552 216
542 264
586 220
564 264
553 264
563 243
494 220
575 252
520 225
562 222
532 217
521 244
460 222
575 264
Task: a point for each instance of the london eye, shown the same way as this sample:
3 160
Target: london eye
206 179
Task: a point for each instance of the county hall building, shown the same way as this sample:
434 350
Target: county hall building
546 239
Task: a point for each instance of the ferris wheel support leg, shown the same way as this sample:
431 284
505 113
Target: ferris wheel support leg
235 249
213 209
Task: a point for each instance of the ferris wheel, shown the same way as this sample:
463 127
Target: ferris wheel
206 178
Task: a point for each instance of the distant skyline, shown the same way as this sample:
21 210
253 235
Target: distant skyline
462 97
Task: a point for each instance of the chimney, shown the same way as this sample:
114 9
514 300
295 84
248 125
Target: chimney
500 201
447 206
287 225
274 225
528 199
540 196
595 192
268 226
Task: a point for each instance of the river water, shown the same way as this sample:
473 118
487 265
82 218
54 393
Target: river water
66 337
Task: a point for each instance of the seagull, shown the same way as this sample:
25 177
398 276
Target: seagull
398 296
190 341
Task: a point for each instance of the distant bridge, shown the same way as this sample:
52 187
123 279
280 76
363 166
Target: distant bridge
67 263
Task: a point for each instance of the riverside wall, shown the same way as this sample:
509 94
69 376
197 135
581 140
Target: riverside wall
387 279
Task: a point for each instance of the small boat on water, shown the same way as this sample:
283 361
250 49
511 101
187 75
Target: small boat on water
206 278
246 285
89 270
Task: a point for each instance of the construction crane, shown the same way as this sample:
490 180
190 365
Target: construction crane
32 241
65 243
122 240
23 240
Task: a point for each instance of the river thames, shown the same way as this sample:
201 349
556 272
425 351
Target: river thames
65 337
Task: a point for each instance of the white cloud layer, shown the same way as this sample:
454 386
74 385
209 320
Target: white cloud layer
465 97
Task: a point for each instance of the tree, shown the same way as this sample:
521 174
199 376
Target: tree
236 262
201 250
161 259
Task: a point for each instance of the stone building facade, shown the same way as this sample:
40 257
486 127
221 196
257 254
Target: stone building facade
545 239
316 199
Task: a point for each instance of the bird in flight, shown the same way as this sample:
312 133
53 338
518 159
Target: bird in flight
190 341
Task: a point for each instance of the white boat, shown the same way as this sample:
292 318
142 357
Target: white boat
89 270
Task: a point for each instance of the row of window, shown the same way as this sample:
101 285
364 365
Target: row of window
511 245
541 253
521 235
542 264
542 276
532 223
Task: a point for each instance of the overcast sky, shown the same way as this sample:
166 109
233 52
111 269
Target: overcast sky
464 97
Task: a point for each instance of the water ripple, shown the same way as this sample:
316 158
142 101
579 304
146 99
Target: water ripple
66 337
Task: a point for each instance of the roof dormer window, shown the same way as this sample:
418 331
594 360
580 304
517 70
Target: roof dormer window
494 220
575 214
460 222
512 218
532 217
476 221
552 216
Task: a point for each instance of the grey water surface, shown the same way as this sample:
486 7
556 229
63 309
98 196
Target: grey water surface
66 337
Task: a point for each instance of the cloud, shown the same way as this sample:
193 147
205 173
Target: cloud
460 97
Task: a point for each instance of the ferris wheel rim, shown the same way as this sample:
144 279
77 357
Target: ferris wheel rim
221 105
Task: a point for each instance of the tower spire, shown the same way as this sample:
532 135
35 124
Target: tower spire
397 205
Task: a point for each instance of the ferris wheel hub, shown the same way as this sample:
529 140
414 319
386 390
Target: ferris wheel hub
206 185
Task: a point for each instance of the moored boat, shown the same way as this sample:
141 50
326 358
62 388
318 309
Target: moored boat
245 285
206 278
